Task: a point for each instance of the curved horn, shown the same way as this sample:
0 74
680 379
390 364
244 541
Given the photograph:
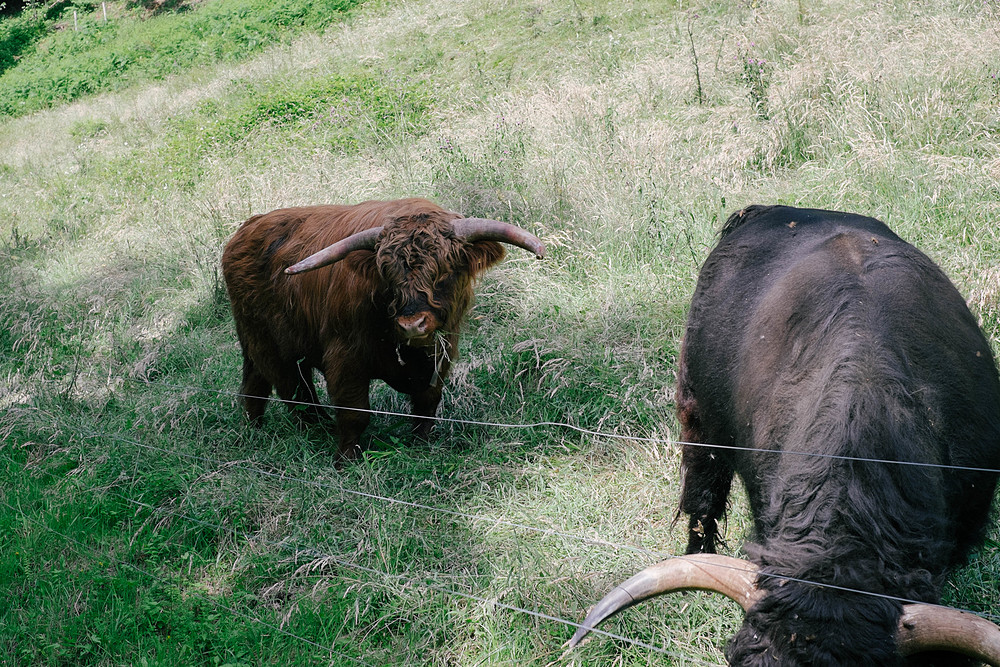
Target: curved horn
733 577
364 240
924 627
484 229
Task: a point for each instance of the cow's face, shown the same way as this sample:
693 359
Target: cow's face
429 273
798 625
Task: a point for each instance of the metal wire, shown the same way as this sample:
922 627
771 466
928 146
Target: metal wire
415 582
579 429
544 531
315 553
84 550
540 424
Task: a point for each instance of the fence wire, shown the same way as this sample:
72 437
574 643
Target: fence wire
299 549
375 498
586 540
590 541
579 429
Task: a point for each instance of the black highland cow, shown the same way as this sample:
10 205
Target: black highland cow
817 342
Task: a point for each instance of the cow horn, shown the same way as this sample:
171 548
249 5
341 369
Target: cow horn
484 229
364 240
733 577
924 627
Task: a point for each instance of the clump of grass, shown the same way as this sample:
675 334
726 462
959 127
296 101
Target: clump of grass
340 114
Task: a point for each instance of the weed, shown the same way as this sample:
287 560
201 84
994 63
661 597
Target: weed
699 94
755 76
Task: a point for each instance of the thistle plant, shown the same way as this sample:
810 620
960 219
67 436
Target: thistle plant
755 74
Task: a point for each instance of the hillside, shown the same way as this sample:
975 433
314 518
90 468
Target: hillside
143 522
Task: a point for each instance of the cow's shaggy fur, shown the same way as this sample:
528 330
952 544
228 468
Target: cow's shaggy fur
344 319
815 339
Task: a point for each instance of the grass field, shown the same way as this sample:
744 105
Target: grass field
142 522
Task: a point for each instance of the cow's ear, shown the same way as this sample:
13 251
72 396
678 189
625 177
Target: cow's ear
363 263
481 255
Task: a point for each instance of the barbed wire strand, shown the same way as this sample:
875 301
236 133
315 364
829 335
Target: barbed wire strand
539 425
544 531
688 557
387 499
86 551
315 553
579 429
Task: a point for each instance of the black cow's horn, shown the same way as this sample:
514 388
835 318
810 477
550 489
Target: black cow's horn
364 240
924 627
484 229
733 577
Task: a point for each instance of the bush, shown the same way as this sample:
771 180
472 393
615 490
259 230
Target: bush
17 35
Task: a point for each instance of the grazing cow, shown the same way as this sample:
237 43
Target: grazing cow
838 372
390 284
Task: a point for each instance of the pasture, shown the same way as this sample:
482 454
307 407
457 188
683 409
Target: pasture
143 522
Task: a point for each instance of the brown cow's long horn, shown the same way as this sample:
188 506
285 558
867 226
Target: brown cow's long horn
733 577
484 229
924 627
334 253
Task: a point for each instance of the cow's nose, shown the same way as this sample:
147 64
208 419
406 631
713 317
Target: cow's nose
413 326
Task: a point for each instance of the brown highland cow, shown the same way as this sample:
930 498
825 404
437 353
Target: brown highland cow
388 287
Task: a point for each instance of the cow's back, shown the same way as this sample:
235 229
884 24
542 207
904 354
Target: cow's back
293 314
824 333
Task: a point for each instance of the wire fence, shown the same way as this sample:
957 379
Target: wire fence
430 583
298 549
565 426
584 431
86 551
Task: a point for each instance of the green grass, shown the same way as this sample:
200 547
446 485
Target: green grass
40 68
142 522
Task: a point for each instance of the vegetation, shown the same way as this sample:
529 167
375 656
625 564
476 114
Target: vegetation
50 57
142 522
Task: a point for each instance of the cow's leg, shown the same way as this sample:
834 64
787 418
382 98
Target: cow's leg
706 473
255 392
352 418
347 383
425 404
295 385
970 494
705 482
306 394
